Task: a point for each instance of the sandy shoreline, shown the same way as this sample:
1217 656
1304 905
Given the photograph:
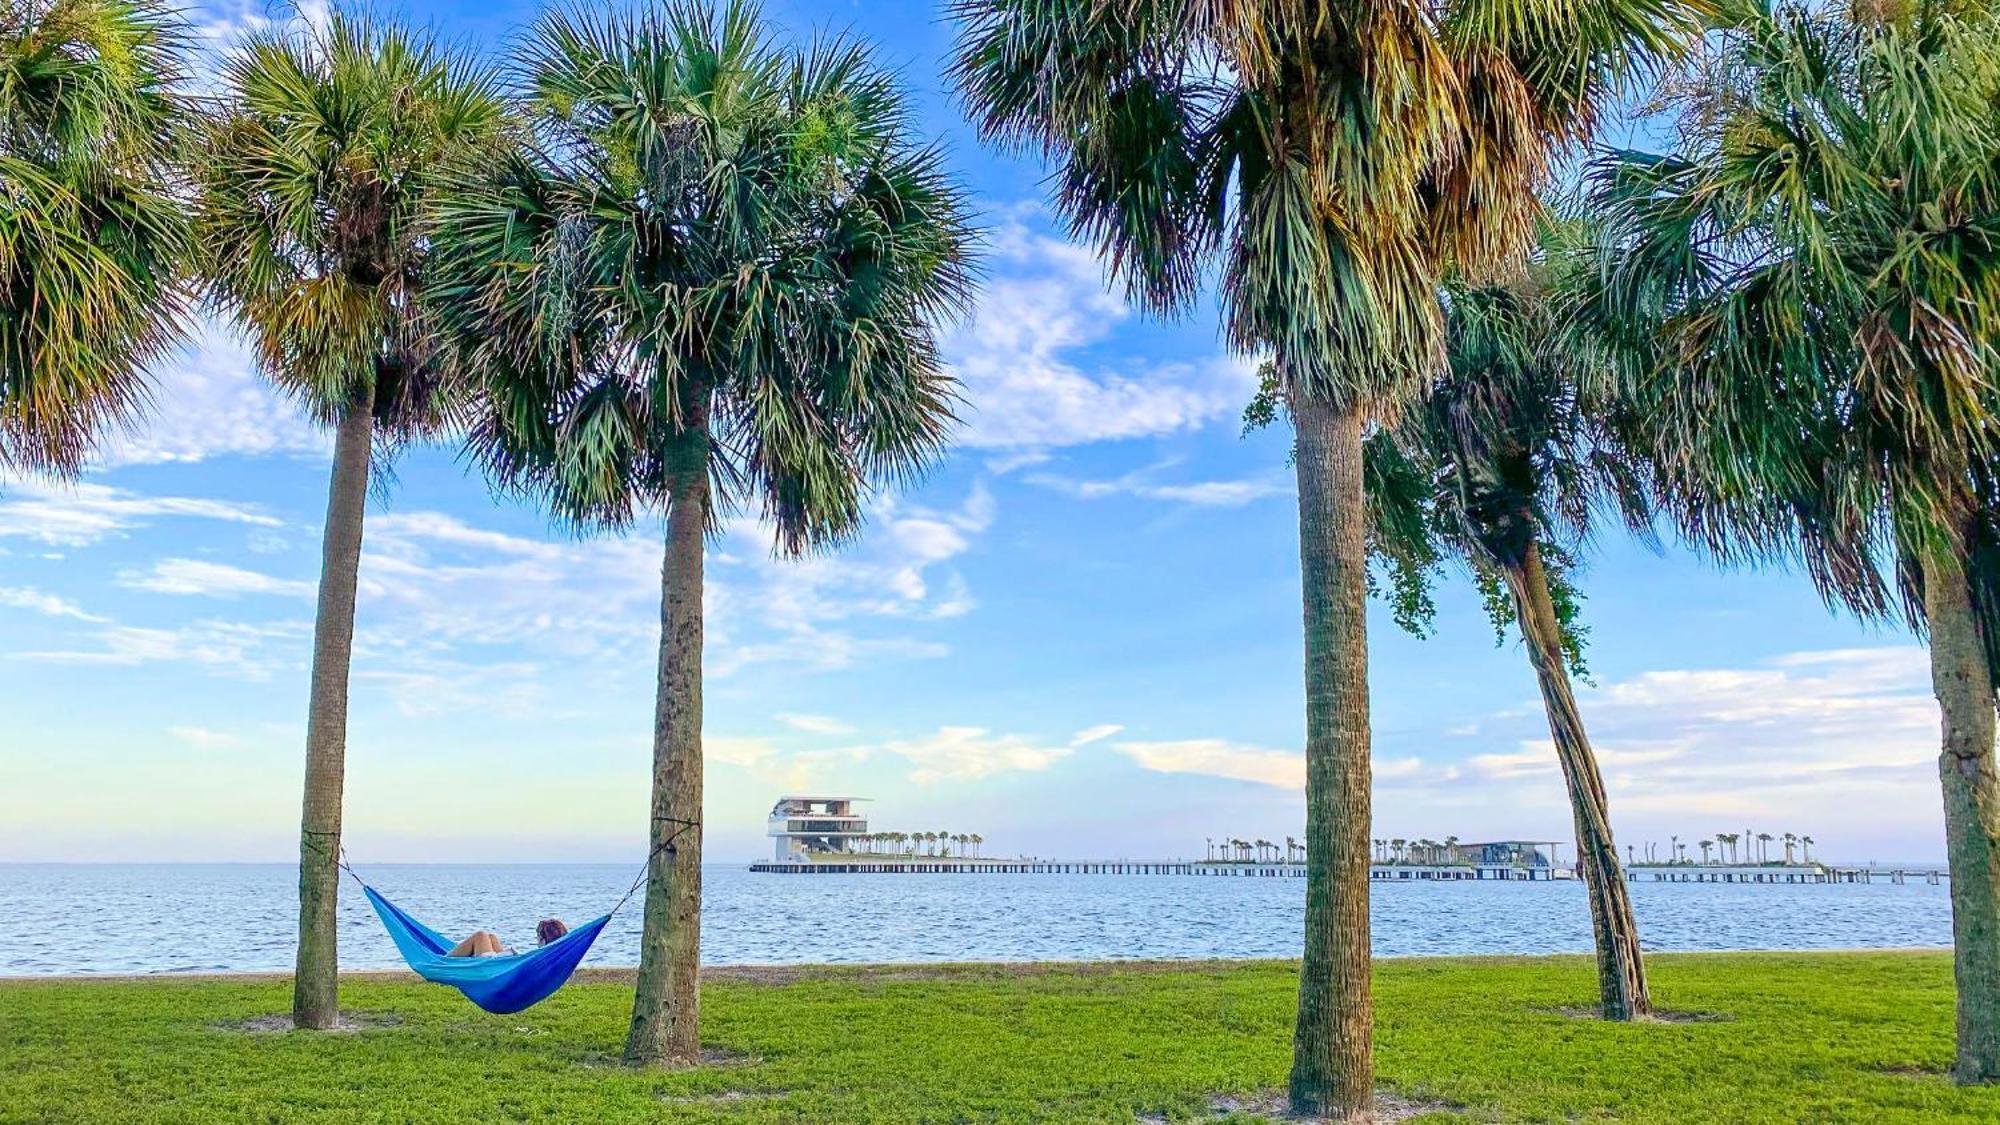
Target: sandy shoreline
934 970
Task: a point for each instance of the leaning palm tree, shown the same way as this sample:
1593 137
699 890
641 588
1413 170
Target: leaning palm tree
312 176
93 235
710 280
1814 280
1327 163
1505 465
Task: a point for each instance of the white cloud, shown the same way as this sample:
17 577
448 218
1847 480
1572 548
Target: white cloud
1095 734
35 601
771 764
77 515
1026 380
252 652
815 724
1841 744
208 402
971 753
1144 484
213 580
202 738
1216 757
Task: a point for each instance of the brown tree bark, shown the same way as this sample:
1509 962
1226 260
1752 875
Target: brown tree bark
1333 1067
666 1012
1964 687
1621 970
315 978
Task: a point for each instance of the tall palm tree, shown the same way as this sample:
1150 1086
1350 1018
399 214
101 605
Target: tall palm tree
1505 465
1807 842
93 235
1814 271
325 148
711 280
1327 163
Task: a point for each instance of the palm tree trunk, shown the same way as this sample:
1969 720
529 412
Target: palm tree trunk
1333 1069
666 1012
1964 687
1621 972
315 977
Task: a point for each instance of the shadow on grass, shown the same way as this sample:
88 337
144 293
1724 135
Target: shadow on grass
1273 1105
349 1023
1658 1015
712 1058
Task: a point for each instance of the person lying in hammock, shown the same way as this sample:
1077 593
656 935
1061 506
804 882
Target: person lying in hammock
485 943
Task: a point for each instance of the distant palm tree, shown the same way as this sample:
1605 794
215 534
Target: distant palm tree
1807 843
94 239
1506 464
1764 847
710 280
1706 846
977 841
1791 841
324 153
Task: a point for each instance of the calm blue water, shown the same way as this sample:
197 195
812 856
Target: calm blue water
61 918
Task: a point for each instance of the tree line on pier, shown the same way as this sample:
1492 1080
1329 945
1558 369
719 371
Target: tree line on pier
669 263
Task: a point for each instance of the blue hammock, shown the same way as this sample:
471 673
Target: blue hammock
498 984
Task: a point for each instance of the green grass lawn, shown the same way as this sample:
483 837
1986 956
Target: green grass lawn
1784 1037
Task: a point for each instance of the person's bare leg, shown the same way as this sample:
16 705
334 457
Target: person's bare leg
479 944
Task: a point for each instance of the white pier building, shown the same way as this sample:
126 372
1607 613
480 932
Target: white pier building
803 826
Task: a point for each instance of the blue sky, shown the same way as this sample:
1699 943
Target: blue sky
1078 637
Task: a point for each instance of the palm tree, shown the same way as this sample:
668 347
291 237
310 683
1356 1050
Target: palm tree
1791 841
1764 847
1807 843
1706 847
312 180
1811 270
1503 465
711 280
1327 163
977 840
93 235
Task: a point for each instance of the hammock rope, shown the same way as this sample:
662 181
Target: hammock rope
509 982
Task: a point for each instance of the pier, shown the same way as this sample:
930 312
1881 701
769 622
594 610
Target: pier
1779 874
1378 873
926 865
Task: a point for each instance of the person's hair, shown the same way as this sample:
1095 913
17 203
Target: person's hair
549 929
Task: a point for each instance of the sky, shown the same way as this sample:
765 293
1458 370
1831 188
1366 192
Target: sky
1079 636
